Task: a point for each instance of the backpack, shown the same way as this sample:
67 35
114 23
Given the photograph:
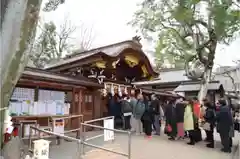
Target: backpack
126 106
139 108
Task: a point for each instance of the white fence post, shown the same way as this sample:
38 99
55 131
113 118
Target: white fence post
41 149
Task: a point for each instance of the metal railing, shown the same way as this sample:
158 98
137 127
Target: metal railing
21 124
84 139
80 142
80 116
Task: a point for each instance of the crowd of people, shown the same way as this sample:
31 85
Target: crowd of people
183 118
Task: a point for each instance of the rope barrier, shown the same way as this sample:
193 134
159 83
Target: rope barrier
1 109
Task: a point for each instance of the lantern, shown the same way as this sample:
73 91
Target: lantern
119 91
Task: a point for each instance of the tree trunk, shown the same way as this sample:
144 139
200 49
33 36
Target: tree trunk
17 34
204 84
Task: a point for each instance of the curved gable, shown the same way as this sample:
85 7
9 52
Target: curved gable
129 50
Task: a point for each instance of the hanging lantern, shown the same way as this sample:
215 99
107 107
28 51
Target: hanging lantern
119 91
104 91
125 91
112 89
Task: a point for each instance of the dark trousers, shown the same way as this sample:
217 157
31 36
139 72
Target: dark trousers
126 122
210 136
225 140
147 127
191 135
197 133
231 142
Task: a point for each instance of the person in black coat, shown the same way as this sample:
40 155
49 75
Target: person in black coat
224 125
170 115
180 108
210 119
156 108
147 118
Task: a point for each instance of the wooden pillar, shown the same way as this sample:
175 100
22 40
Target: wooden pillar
97 104
73 107
80 99
79 111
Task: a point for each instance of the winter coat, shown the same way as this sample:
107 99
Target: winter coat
197 110
170 114
210 115
148 114
126 106
188 118
133 103
180 108
224 120
155 106
139 109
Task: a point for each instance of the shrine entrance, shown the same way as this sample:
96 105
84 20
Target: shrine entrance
116 65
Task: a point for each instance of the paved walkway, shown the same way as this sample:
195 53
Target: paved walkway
155 148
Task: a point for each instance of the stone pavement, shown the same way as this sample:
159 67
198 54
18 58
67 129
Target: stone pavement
142 148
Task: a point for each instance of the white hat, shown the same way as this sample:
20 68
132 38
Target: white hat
181 94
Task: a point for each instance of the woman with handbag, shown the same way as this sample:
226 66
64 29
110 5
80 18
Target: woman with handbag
171 123
189 123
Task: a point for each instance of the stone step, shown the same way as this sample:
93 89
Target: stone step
101 154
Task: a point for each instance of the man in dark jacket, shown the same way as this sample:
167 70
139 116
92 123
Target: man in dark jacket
156 110
224 125
210 119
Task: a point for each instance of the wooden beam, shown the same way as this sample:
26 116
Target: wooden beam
43 84
78 63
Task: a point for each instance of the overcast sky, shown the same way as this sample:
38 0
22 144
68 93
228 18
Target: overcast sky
108 20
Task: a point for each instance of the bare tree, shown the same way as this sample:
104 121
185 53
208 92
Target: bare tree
86 37
52 5
52 43
55 43
228 74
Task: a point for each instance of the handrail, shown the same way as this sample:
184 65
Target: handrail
100 127
82 140
67 117
87 123
79 141
102 148
55 134
99 119
80 116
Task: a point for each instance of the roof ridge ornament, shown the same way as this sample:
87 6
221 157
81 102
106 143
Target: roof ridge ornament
137 40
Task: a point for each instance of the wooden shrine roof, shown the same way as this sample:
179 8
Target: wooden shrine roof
113 50
38 74
160 93
195 86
